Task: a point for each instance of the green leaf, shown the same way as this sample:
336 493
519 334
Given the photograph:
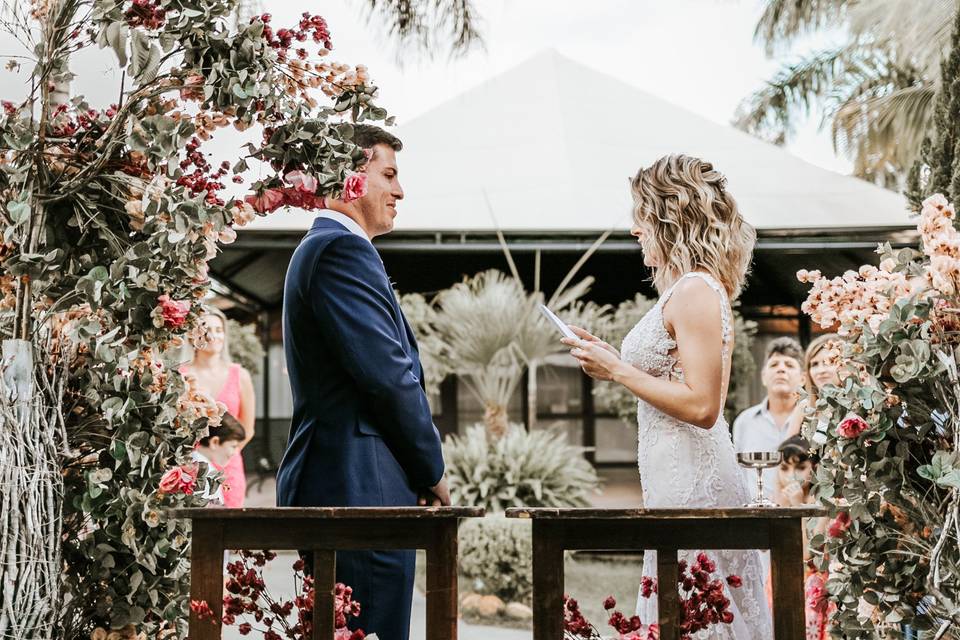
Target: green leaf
116 34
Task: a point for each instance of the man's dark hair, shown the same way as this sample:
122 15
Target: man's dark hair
784 347
367 136
228 429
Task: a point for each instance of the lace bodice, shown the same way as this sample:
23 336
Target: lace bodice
682 465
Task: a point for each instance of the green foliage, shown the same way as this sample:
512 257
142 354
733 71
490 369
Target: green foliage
898 480
613 327
938 168
496 555
115 233
245 346
521 469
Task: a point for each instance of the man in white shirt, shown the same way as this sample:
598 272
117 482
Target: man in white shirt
764 426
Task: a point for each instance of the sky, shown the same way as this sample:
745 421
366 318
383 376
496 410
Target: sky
698 54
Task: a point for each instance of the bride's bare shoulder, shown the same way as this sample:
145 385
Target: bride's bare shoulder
693 301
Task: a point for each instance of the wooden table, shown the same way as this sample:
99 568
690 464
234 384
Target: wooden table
667 531
324 530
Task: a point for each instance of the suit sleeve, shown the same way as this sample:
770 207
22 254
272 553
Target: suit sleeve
350 294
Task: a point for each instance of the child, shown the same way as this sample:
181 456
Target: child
792 488
215 450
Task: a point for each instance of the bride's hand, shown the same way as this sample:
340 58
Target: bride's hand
597 359
589 337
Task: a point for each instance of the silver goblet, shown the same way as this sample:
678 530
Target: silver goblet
759 460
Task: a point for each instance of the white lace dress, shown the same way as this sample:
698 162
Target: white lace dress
685 466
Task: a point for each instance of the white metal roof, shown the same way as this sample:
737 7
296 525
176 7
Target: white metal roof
550 145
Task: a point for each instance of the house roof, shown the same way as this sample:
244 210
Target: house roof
550 145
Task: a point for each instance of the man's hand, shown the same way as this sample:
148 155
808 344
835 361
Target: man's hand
436 496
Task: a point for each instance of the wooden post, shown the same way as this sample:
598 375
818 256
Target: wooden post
442 583
668 595
324 587
786 576
547 581
206 579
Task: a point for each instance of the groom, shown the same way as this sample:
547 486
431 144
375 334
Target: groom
361 433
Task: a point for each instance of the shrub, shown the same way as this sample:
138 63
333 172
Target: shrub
245 346
496 555
521 469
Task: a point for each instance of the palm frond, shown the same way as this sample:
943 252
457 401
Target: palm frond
423 24
784 20
920 29
884 128
769 113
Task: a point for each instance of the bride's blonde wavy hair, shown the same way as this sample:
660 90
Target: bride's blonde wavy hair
693 222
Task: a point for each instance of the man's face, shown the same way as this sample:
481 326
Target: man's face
781 375
378 207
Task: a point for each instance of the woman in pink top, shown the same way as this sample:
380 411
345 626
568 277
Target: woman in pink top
230 384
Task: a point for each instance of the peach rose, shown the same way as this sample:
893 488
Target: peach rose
355 186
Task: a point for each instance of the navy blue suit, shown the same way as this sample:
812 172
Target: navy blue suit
362 432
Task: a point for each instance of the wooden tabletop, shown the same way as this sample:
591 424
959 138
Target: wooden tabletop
326 513
769 513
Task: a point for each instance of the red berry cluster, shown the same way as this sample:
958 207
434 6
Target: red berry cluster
574 624
145 13
247 595
705 603
313 27
202 179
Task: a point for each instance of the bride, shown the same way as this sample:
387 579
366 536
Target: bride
676 360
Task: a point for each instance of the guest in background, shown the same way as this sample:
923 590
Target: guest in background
230 384
793 489
764 426
822 366
220 445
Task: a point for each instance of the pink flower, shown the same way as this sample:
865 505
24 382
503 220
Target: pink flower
852 426
227 235
302 181
839 525
269 200
179 480
173 312
355 186
243 214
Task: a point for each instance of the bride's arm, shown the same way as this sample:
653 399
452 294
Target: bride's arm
694 315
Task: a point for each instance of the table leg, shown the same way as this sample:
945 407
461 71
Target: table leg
206 578
442 582
324 587
668 595
547 582
786 574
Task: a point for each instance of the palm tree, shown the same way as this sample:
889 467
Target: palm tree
422 26
877 90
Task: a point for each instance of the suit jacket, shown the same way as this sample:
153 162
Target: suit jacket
362 433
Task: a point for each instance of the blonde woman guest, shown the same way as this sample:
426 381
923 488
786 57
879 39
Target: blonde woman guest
822 367
230 384
676 361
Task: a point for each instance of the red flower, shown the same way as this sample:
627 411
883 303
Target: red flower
202 609
734 581
267 201
245 628
173 312
852 426
179 480
839 525
609 603
355 186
